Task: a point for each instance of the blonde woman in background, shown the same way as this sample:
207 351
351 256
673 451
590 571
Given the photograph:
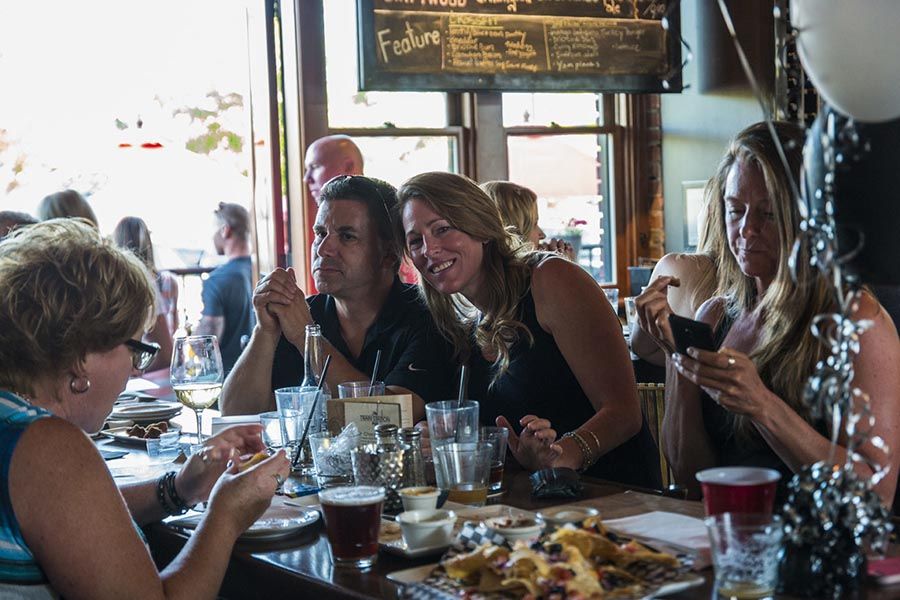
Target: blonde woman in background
692 277
67 203
132 233
743 405
518 209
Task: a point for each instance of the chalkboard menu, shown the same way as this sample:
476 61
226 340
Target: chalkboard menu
519 45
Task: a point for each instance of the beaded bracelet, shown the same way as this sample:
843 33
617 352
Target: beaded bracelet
586 460
168 496
596 439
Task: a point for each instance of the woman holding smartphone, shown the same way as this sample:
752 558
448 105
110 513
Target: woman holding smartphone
742 405
545 349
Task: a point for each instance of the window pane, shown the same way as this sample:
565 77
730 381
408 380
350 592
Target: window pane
396 159
347 106
549 109
76 124
569 175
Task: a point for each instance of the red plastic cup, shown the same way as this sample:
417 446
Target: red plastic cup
738 490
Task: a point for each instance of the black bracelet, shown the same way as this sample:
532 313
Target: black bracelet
168 496
180 505
161 495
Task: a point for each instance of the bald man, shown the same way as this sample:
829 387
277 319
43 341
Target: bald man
328 157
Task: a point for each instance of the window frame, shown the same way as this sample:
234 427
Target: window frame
482 157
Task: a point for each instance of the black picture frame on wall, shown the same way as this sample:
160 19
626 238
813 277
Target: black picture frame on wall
431 73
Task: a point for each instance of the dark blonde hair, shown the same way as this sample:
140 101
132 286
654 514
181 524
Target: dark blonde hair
789 305
67 203
517 205
65 292
133 234
506 266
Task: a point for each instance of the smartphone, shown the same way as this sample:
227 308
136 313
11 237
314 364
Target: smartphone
885 571
690 333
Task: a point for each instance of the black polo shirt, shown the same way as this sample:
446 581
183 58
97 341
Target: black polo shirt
413 354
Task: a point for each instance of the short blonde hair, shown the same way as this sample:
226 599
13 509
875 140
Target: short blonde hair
65 292
517 205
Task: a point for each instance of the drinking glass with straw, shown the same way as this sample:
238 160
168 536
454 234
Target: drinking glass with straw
312 411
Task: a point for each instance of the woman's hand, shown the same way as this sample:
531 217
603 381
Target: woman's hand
201 471
728 376
534 448
561 247
244 496
653 312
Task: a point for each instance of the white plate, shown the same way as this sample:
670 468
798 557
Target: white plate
119 435
419 574
279 521
146 410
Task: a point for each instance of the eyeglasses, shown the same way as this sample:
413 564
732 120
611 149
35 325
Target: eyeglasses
142 354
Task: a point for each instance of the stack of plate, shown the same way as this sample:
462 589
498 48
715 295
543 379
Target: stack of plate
146 412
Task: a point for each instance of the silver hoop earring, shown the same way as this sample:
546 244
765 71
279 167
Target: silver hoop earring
79 385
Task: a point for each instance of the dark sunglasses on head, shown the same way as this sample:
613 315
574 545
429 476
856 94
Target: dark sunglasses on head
142 354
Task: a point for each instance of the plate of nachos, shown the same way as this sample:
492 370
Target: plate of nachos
585 561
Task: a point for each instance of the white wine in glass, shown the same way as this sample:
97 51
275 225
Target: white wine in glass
197 374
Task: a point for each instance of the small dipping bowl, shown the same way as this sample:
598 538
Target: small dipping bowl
557 517
419 498
427 528
514 529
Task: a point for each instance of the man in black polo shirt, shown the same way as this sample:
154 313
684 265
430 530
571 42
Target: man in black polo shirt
362 307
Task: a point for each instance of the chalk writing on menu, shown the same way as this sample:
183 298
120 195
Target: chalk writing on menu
515 44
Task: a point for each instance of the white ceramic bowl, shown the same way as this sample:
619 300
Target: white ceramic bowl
557 517
419 498
427 528
515 528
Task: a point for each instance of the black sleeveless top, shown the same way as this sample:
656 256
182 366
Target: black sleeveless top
540 382
734 452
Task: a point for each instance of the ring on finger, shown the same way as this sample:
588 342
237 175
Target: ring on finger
731 361
205 457
279 480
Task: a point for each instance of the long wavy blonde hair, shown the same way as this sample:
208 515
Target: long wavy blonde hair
506 265
788 306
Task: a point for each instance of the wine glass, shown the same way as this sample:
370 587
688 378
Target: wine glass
197 374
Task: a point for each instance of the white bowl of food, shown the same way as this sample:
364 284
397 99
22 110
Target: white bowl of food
516 528
427 528
419 498
564 515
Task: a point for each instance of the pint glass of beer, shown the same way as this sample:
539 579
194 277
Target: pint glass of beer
352 521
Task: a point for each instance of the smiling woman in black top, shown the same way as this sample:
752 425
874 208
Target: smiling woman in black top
548 351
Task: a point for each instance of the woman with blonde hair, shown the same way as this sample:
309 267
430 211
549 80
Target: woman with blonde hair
133 234
519 210
743 405
72 310
66 204
529 325
692 277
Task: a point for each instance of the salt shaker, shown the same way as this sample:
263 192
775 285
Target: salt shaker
413 463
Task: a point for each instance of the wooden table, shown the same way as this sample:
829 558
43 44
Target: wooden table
302 567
